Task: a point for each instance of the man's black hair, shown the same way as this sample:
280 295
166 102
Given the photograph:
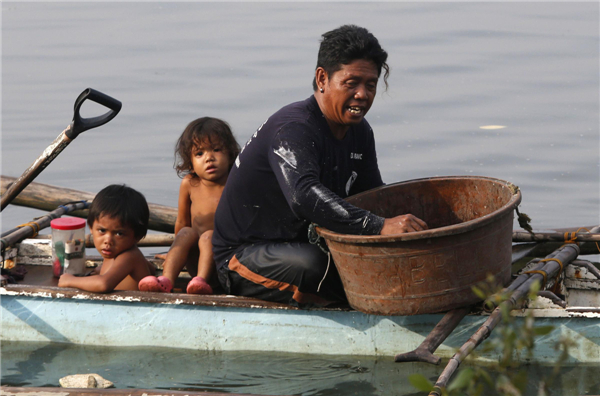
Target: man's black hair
123 203
346 44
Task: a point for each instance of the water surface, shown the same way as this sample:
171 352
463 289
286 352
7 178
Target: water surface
43 364
456 67
531 67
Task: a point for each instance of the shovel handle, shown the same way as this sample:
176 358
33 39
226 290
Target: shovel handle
78 125
81 124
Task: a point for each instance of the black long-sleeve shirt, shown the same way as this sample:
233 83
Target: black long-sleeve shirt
293 172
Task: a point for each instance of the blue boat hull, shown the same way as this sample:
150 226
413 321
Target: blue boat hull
233 323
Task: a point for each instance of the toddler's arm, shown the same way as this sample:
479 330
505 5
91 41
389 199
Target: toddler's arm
122 266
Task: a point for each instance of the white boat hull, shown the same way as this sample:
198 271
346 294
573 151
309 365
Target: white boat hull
125 319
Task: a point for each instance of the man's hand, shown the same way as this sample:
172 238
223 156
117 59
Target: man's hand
403 224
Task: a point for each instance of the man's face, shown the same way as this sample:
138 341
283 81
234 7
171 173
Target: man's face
349 93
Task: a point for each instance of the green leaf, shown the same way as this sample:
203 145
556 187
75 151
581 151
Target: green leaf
486 377
543 330
534 288
519 380
479 293
420 382
505 309
462 380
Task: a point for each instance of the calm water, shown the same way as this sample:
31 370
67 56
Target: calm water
38 364
456 67
531 67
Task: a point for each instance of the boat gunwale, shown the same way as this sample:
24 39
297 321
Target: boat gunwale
144 297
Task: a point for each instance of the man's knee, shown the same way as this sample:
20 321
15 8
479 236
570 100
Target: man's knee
306 261
312 258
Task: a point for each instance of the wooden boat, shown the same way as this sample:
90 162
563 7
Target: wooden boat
37 310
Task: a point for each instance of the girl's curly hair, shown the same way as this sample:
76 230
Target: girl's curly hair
217 132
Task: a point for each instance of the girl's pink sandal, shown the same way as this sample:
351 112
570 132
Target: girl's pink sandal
155 284
198 285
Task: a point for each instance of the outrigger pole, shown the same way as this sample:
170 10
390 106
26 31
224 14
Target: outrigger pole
32 228
555 263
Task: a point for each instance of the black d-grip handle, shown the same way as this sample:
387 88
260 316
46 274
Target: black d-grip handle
83 124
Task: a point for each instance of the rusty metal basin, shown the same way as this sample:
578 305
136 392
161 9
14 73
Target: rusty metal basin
470 221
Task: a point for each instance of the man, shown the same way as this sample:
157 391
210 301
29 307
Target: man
296 170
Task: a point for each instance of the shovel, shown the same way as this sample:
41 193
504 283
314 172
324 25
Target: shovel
77 126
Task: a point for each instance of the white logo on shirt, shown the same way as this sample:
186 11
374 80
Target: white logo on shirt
350 182
357 156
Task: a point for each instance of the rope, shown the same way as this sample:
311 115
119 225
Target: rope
554 259
315 239
35 227
524 221
73 203
543 273
31 224
326 271
596 243
570 237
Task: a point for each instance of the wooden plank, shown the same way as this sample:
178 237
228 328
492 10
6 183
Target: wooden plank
149 240
48 197
38 251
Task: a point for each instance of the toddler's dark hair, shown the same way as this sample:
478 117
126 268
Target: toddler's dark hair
123 203
217 132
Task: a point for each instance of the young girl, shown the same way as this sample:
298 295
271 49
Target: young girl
204 155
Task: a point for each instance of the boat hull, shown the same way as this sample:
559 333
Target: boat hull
182 321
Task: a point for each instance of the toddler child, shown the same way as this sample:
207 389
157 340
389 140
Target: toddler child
118 219
204 155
